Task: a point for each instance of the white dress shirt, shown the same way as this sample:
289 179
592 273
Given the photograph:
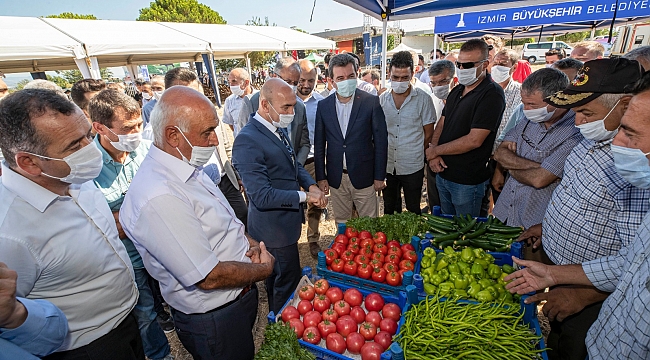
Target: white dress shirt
66 250
311 105
343 111
182 226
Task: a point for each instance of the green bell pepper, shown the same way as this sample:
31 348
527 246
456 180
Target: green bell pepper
467 255
446 288
473 289
478 253
489 258
478 271
449 250
484 296
500 288
442 263
502 277
436 279
460 293
461 282
426 262
429 252
505 297
494 271
453 269
464 267
484 264
507 269
485 283
425 278
444 274
492 291
430 289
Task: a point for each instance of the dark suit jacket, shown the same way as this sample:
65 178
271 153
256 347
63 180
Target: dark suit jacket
365 144
271 180
299 130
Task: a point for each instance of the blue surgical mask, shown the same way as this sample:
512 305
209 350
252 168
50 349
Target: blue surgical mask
632 165
346 88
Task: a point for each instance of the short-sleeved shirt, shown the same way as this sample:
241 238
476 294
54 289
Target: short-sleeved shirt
146 111
231 109
594 211
114 181
405 130
523 205
513 100
480 108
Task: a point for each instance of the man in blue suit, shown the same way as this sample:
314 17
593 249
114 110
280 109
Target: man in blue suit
266 161
350 125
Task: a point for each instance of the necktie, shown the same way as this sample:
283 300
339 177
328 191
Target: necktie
286 143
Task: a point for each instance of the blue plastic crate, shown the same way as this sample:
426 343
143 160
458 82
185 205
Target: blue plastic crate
323 353
529 318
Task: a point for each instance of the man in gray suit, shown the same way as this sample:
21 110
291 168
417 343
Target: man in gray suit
288 70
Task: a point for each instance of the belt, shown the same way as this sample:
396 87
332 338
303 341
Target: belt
345 171
241 295
309 161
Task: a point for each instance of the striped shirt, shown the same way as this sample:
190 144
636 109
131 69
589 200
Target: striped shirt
622 330
523 205
513 99
594 211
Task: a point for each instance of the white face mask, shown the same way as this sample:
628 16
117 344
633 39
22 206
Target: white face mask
85 164
596 131
236 90
442 91
200 154
285 119
539 115
400 87
346 88
146 96
128 142
157 95
467 77
549 65
500 73
632 165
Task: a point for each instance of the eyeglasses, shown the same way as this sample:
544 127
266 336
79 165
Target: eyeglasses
294 83
469 65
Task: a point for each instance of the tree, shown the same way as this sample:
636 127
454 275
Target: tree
260 58
390 43
72 76
185 11
59 81
21 84
69 15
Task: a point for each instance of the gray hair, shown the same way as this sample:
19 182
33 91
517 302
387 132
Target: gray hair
374 74
610 100
45 85
547 81
241 73
342 60
103 106
568 63
442 66
640 54
512 55
285 63
163 114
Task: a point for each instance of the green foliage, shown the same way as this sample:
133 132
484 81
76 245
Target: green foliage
280 343
260 58
390 43
21 84
228 64
572 37
186 11
72 76
69 15
517 42
59 81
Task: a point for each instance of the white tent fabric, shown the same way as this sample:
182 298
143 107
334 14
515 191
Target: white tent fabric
403 47
292 39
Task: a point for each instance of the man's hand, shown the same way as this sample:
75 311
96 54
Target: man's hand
241 186
512 146
316 196
12 312
431 153
381 91
324 187
532 235
564 301
380 185
266 258
254 250
437 165
535 276
120 231
498 180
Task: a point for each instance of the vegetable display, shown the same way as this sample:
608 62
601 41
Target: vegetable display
370 257
436 329
459 231
468 274
399 226
280 343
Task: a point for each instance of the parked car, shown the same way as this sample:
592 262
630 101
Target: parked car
536 51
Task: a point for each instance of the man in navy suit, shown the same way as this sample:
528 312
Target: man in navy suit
266 161
350 125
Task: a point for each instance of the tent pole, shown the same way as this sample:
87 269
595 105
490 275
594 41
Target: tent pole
541 29
611 27
553 37
435 40
512 40
593 32
248 63
384 47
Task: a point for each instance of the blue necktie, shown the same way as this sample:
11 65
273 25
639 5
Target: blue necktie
286 143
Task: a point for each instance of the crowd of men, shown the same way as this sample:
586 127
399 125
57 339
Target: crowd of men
118 202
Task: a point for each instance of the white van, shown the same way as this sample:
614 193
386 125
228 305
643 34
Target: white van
535 51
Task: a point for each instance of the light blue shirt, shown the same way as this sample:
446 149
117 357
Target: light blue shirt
311 104
147 109
517 115
42 333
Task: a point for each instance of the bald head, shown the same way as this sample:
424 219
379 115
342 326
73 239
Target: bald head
308 77
276 97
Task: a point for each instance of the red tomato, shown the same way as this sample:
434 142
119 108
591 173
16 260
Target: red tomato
406 265
307 293
330 255
367 243
368 331
311 335
388 325
346 325
390 267
365 235
354 240
401 273
376 264
380 237
393 243
380 248
361 259
353 297
407 247
305 306
374 302
330 315
378 256
351 232
391 311
342 239
358 314
367 252
335 294
350 268
355 342
342 308
379 275
364 271
337 265
321 286
393 259
297 326
393 278
339 248
395 250
347 256
321 303
335 342
410 255
354 248
312 318
384 339
290 312
373 317
326 327
371 351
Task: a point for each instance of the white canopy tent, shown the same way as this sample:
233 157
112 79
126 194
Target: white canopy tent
403 47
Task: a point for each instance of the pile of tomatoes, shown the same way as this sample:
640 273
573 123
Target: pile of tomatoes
370 257
344 320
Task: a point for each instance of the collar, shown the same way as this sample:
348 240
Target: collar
176 166
37 196
265 122
512 85
314 96
108 159
338 102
